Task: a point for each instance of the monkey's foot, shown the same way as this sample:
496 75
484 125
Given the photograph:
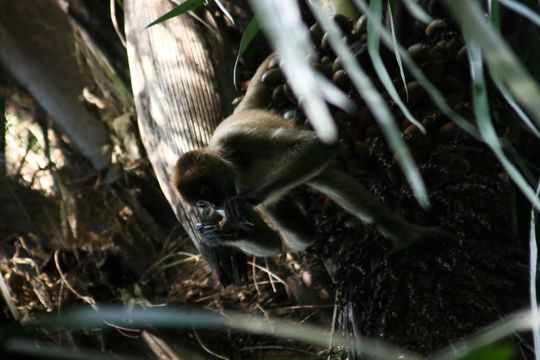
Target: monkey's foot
239 211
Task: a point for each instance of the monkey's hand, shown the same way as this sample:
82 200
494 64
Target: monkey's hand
239 211
215 234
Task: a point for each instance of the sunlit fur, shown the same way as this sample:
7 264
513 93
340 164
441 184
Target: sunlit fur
198 168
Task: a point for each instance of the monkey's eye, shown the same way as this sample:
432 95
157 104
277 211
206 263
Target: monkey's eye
202 204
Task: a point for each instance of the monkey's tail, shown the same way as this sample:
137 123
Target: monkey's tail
352 196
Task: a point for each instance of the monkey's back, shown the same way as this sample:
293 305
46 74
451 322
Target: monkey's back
247 122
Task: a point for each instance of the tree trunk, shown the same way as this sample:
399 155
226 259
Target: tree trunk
38 50
181 94
27 211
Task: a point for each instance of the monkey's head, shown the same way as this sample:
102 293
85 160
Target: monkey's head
204 179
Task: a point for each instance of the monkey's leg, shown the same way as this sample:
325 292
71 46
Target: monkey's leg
287 218
352 196
257 94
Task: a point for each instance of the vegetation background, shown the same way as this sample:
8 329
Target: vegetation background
84 223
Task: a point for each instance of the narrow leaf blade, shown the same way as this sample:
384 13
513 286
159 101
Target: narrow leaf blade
432 91
498 54
417 11
375 55
483 118
178 10
251 31
375 103
224 10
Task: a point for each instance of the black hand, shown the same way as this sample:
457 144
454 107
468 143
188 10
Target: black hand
214 234
239 211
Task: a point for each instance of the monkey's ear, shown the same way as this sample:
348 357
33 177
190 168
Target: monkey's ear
186 163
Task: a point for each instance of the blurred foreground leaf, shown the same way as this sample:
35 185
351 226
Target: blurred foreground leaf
498 54
84 318
374 101
483 118
290 38
492 352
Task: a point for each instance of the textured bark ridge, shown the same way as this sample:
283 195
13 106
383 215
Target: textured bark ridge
181 84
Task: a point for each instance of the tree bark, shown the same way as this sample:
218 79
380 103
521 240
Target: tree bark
38 50
182 84
27 211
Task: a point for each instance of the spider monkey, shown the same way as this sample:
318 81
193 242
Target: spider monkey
253 159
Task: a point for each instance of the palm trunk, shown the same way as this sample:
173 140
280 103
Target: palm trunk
182 84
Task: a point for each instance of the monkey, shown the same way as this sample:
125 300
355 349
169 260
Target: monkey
252 161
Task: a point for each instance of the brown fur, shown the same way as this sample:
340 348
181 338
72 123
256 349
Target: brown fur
257 156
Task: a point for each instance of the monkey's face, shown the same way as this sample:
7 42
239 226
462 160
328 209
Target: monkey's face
204 180
205 193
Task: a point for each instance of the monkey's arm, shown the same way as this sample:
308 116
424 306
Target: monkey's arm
301 156
289 231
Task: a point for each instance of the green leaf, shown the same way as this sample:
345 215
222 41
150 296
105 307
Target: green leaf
417 11
498 54
533 269
497 79
494 13
523 164
374 42
42 350
176 318
334 95
224 10
522 10
491 352
373 99
511 324
179 10
280 357
483 118
253 28
289 36
396 49
432 91
510 100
